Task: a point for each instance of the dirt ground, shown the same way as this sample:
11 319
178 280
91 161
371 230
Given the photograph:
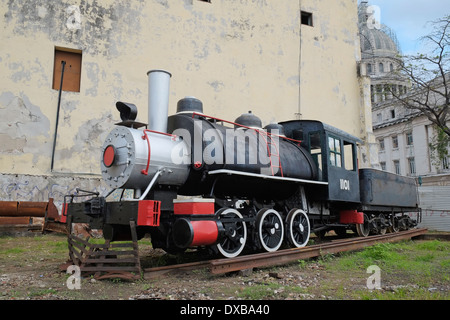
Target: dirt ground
30 270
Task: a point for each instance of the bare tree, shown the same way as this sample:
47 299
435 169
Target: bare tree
429 75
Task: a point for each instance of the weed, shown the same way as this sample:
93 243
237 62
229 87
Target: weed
380 252
434 245
302 264
12 251
425 258
42 292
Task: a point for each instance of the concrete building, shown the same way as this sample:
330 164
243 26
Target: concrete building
281 59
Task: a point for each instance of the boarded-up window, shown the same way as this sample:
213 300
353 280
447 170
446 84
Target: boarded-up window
72 70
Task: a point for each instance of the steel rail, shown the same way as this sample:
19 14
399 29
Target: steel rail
150 273
219 266
288 255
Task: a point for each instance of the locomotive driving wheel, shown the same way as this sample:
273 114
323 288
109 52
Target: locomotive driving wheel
235 235
382 223
394 224
298 228
269 226
363 229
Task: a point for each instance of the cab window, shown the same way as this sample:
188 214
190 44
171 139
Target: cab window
315 148
334 146
350 156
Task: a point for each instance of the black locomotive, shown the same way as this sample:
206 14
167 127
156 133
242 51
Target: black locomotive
200 181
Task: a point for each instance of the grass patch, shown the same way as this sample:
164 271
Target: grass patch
409 270
406 255
12 251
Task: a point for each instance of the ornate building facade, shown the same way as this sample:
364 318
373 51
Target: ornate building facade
405 138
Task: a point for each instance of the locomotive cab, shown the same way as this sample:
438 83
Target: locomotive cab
334 152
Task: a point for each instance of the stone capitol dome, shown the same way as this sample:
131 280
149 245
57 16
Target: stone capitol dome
380 55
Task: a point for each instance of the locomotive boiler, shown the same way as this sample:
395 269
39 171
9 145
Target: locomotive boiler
201 181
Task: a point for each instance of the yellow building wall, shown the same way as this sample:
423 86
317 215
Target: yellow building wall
233 55
329 54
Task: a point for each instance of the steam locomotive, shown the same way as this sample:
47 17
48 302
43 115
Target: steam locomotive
201 181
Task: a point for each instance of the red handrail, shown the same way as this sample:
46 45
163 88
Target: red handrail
240 125
145 137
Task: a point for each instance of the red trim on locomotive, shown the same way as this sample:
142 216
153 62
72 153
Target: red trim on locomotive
109 155
205 233
351 217
145 137
194 206
149 212
240 125
64 211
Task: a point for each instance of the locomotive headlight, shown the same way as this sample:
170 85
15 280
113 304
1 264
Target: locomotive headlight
131 158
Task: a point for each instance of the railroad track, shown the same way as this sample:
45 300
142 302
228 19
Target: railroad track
266 259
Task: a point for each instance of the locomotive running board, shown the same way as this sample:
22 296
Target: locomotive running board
263 176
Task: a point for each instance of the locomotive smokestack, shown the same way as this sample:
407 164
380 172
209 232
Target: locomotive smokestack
158 99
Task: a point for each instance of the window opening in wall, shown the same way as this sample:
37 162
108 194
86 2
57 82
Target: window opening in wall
395 142
306 18
72 69
412 166
392 114
381 141
397 166
209 1
409 139
379 90
445 163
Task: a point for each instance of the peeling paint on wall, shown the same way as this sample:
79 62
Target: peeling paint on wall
22 123
100 29
84 147
41 188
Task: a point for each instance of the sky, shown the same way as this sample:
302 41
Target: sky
409 19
